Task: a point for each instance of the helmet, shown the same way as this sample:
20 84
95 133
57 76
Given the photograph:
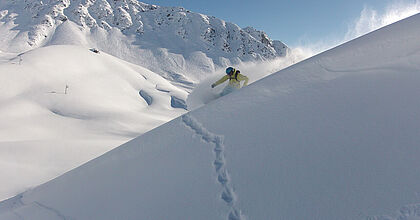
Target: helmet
230 70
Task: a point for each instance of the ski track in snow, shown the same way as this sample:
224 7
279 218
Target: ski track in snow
408 212
56 212
18 203
227 194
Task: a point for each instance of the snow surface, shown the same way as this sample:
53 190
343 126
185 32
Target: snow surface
333 137
61 106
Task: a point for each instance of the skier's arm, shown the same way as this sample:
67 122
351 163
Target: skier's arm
220 81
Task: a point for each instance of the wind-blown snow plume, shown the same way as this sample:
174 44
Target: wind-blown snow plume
371 19
203 93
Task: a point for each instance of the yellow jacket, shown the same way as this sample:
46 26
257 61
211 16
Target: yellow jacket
233 81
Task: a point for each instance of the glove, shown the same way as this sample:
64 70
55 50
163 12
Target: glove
212 85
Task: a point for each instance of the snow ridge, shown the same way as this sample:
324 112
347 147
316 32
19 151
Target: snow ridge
227 195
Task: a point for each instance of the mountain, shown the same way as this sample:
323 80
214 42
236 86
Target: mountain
181 45
333 137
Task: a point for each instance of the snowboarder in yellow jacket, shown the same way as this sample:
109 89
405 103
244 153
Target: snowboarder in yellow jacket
235 77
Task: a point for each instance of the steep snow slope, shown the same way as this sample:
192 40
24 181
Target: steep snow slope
333 137
181 45
61 106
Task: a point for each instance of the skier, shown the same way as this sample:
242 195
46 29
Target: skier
235 77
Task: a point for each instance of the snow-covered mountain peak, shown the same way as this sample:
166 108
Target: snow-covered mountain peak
40 18
181 45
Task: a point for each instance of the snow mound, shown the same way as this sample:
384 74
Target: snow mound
69 95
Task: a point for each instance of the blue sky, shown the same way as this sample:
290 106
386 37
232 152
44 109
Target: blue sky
294 22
